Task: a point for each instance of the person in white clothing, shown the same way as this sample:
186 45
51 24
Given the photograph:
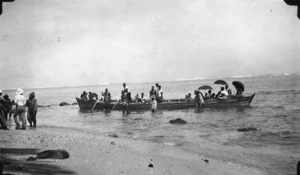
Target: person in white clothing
224 94
159 94
20 101
153 104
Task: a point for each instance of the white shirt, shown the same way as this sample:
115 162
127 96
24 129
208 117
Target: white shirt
159 92
126 87
224 92
154 104
20 100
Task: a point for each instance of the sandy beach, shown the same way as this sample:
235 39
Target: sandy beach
92 154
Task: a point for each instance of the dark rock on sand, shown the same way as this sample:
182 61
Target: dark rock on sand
31 158
74 103
113 135
150 165
247 129
112 143
53 154
177 121
64 104
205 160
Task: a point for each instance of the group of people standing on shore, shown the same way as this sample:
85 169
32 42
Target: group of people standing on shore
17 108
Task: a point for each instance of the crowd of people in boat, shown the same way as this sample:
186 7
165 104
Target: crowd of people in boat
126 96
223 94
17 109
157 94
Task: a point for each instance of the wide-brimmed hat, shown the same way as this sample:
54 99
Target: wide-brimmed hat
32 94
19 91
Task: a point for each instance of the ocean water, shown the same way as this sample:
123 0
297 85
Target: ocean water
273 149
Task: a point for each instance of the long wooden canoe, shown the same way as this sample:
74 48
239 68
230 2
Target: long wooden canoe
167 104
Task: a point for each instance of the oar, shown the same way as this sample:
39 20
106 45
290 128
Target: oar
94 105
115 104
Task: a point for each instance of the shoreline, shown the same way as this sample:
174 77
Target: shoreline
93 154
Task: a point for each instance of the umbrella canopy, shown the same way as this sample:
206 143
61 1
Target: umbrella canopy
205 87
238 85
222 82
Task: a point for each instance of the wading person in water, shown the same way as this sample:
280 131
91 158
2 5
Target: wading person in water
198 98
32 109
153 104
124 101
20 109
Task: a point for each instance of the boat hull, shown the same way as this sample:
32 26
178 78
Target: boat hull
167 104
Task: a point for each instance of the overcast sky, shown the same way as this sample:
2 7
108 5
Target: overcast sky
80 42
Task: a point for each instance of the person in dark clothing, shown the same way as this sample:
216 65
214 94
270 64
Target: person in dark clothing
31 103
152 92
93 96
83 96
3 109
209 95
8 106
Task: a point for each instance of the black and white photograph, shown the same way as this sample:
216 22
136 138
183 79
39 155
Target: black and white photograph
150 87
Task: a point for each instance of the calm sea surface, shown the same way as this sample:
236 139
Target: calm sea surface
274 148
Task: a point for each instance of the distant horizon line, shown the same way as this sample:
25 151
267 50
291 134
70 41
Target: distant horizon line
181 79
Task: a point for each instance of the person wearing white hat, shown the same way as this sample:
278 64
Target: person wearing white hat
20 109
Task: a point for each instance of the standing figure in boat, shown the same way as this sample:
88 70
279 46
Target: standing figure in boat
152 92
159 96
128 93
106 95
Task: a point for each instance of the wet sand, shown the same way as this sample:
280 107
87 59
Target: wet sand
92 154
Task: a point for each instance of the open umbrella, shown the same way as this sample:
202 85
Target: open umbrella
238 85
205 87
222 82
